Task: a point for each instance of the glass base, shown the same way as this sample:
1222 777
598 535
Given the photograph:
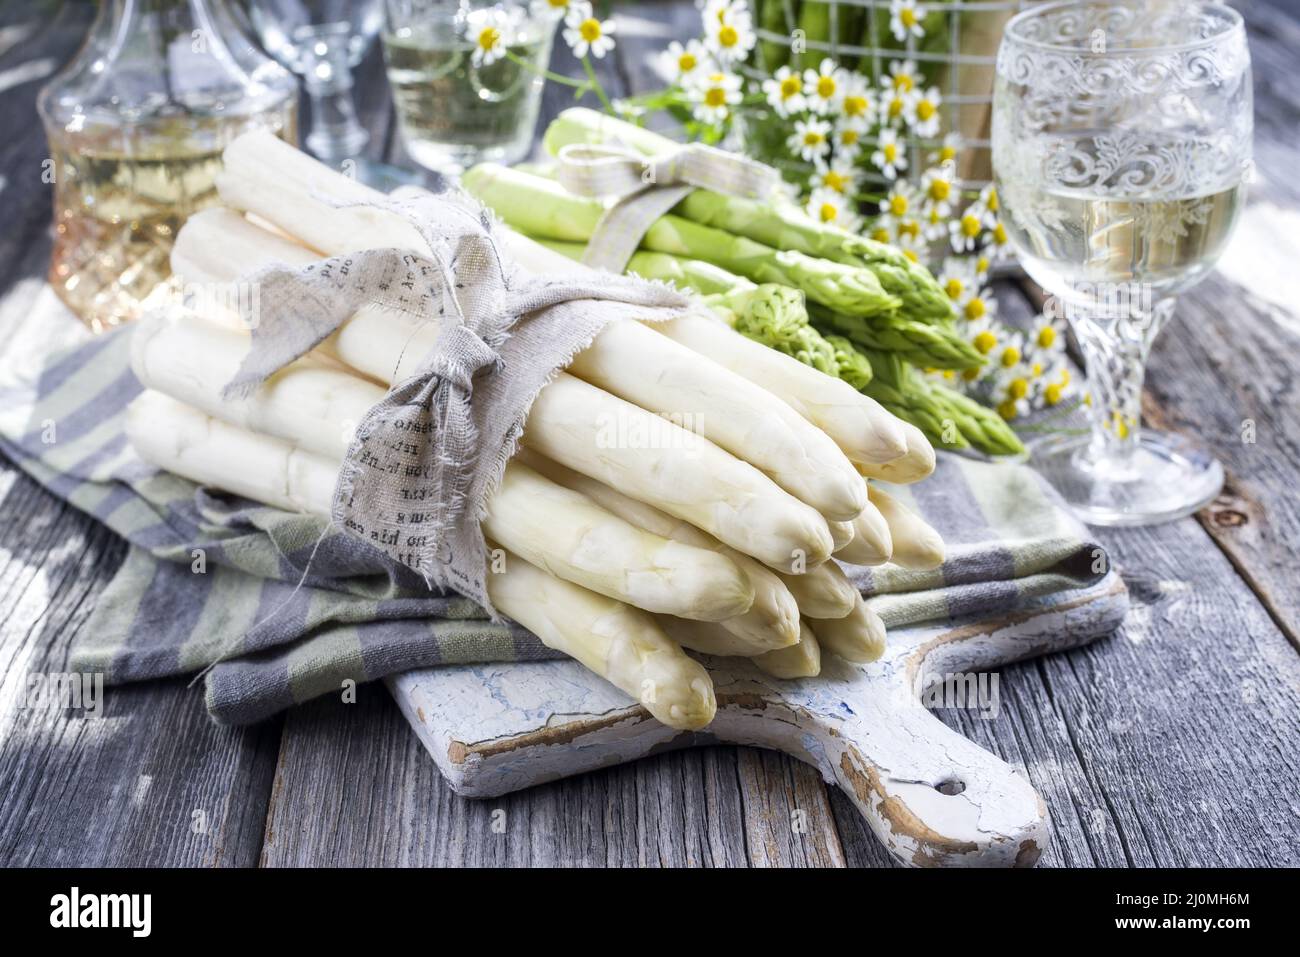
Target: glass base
1167 478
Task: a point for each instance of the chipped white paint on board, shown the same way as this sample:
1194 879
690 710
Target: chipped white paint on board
932 797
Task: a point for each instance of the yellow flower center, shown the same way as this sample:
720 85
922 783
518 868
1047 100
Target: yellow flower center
904 82
855 106
489 38
558 4
947 154
970 375
898 204
590 29
880 234
828 212
911 255
954 288
1046 337
982 265
970 226
687 62
924 110
1007 409
993 201
849 137
896 107
834 180
715 96
891 152
1036 370
1018 388
939 189
985 342
1000 234
826 87
908 17
728 36
790 86
1010 356
1052 394
975 309
812 138
911 228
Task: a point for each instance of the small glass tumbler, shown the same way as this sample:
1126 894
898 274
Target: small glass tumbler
466 78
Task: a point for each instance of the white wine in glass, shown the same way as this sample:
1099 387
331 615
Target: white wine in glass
1121 149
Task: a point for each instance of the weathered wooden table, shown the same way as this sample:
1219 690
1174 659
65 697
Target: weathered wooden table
1174 742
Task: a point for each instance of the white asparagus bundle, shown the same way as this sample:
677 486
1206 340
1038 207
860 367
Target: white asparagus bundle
685 474
858 637
872 543
822 592
621 644
317 409
916 544
802 660
773 619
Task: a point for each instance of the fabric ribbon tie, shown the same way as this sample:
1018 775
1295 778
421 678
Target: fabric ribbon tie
425 460
647 187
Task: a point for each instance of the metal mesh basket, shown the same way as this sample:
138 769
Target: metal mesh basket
958 57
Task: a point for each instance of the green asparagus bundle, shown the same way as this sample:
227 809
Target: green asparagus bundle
780 225
540 207
929 346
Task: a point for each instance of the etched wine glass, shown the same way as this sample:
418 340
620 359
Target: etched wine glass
1121 150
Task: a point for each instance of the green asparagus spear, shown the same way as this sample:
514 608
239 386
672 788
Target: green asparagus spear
985 428
541 207
920 343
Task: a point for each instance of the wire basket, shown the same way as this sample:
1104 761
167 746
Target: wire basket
957 54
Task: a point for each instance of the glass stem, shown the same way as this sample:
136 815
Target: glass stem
335 133
1115 345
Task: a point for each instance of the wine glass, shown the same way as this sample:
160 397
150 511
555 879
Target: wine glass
1121 149
321 41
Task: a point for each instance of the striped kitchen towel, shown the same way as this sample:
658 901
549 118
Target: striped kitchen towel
214 580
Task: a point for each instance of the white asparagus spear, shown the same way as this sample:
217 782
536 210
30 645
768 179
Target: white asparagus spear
625 359
841 532
588 430
858 424
822 592
858 637
771 622
185 441
803 660
916 464
916 544
872 543
318 409
571 420
621 644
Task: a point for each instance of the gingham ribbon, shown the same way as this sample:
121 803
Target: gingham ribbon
648 187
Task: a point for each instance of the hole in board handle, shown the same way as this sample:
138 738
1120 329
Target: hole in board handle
950 786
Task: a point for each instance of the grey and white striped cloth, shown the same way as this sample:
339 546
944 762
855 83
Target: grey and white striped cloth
212 580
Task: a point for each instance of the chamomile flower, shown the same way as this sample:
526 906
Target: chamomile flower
902 76
909 236
978 307
937 190
905 18
714 95
858 102
728 30
997 245
889 156
1046 337
957 279
784 91
832 207
824 87
934 221
922 112
894 106
811 139
489 45
965 230
849 134
839 176
899 202
682 64
584 33
947 152
989 203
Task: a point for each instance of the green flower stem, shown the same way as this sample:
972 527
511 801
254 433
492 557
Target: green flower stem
595 84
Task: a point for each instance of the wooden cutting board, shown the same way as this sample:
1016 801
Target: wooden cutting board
931 796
